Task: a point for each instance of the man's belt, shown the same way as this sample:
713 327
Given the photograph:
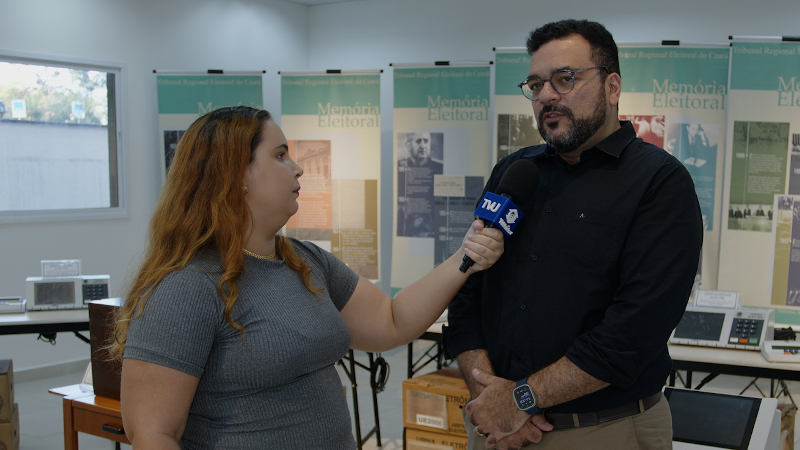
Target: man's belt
562 421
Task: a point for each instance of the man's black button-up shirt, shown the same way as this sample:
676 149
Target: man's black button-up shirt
600 270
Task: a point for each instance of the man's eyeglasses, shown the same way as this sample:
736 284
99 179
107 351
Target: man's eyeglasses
562 81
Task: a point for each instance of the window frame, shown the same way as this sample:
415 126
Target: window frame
111 212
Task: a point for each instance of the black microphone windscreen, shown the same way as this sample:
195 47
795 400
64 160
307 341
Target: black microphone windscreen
519 181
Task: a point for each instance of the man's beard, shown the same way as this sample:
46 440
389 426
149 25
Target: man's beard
582 129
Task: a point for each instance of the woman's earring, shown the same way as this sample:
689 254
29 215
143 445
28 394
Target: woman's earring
245 189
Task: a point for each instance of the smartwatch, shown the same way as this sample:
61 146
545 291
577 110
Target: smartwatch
524 398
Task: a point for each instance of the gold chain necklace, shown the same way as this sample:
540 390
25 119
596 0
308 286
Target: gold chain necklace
268 257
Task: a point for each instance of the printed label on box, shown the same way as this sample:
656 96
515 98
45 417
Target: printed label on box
418 439
431 421
418 445
426 409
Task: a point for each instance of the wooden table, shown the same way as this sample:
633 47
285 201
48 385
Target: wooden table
87 413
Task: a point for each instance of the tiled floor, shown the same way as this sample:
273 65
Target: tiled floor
41 414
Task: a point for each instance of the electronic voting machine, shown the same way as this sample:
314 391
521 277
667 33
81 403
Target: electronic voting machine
738 328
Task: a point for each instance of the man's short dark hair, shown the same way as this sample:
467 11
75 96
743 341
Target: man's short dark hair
604 49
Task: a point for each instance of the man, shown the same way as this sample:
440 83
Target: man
578 311
419 152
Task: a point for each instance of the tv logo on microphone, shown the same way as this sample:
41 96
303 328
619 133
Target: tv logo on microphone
500 211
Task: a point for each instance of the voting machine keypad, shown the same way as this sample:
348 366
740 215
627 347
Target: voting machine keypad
746 332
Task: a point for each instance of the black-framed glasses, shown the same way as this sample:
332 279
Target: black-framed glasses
562 81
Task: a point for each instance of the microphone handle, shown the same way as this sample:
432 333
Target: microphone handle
466 263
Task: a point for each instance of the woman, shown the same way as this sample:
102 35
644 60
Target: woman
230 332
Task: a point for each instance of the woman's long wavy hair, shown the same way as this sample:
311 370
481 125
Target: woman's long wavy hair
202 206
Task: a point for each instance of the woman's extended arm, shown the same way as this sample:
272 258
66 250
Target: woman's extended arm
378 322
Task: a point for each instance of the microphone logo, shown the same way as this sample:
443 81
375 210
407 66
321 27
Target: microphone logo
512 215
490 205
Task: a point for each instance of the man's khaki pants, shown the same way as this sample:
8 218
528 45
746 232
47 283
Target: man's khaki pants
650 430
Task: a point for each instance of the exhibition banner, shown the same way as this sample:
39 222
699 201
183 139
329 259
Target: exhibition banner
441 161
762 168
515 126
332 123
676 98
184 98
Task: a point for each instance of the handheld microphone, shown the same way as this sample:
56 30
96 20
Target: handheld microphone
517 184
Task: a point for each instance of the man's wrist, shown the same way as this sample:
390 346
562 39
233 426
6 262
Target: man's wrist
524 398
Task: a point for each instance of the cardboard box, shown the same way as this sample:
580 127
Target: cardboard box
428 440
9 431
788 412
6 389
433 402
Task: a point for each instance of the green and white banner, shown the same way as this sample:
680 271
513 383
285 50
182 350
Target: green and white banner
332 123
515 126
183 98
442 157
763 163
676 98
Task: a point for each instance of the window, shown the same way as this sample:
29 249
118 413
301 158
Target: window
59 140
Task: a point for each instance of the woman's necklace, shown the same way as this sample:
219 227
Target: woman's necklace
268 257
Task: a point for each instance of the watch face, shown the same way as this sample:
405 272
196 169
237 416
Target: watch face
524 397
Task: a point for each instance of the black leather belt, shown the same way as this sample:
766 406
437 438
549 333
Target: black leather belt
562 421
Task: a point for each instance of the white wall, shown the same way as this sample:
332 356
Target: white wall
143 35
370 34
274 35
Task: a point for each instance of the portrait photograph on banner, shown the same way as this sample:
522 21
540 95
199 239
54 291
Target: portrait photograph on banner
416 168
332 122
